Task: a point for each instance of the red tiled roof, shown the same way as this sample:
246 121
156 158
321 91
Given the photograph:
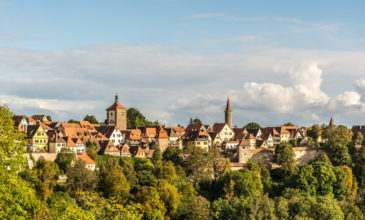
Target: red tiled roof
116 105
228 107
86 158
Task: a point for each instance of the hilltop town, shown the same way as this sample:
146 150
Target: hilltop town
45 138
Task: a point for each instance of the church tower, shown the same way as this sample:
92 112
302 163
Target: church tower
117 115
228 114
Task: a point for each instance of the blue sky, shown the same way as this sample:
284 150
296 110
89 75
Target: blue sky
176 59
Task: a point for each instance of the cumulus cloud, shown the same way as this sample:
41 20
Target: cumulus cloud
172 84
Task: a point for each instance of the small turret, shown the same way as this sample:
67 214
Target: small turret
228 114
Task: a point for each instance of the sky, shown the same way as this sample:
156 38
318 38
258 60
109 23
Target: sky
277 61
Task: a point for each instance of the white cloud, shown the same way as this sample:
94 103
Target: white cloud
170 83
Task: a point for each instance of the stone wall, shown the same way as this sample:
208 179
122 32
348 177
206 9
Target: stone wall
303 155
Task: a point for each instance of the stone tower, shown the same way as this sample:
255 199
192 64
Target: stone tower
331 122
228 114
117 115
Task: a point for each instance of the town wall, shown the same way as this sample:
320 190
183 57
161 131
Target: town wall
303 155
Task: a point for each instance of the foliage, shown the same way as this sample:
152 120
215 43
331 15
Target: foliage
315 132
62 206
11 143
65 158
288 124
195 121
72 121
136 119
91 119
199 209
196 164
49 118
337 145
112 181
17 198
91 149
79 178
252 125
285 157
46 176
173 154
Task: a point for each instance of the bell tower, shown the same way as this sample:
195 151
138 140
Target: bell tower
117 115
228 114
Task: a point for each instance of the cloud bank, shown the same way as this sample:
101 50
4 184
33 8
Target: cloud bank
171 84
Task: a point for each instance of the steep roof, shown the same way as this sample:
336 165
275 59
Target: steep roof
86 158
107 130
332 123
116 105
244 143
218 127
228 106
162 133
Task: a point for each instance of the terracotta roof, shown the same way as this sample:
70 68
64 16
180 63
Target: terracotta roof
244 143
228 106
332 123
70 142
162 133
250 136
116 105
31 120
44 126
86 158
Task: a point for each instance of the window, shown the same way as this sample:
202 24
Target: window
198 143
39 133
230 133
113 135
36 141
205 143
225 133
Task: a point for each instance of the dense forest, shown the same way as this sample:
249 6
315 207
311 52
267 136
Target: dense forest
183 184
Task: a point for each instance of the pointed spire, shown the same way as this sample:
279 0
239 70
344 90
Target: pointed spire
116 97
228 107
331 122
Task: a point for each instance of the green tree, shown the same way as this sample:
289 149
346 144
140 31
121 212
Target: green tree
220 164
196 163
79 178
46 179
11 143
112 181
196 121
65 158
173 154
323 158
135 118
63 206
199 209
245 182
157 156
306 181
315 132
91 149
49 118
285 157
288 124
252 125
17 199
325 176
170 195
339 139
91 119
72 121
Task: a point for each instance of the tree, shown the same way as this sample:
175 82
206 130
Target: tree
245 182
63 206
199 209
91 119
173 154
65 158
197 121
157 156
219 163
79 178
323 158
252 125
170 195
326 178
91 149
196 163
11 143
135 118
49 118
72 121
315 132
285 157
112 181
288 124
46 179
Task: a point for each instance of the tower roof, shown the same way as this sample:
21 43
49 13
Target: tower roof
331 122
228 106
116 104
